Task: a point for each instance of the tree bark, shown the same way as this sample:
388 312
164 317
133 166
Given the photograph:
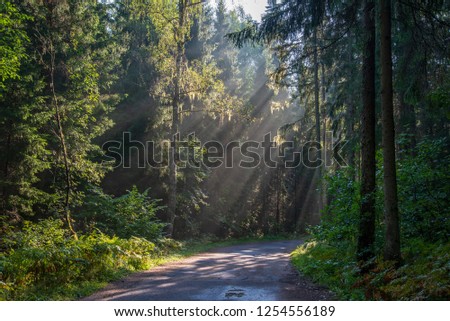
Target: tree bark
350 114
317 115
366 238
278 184
392 241
63 144
316 87
49 47
324 196
176 102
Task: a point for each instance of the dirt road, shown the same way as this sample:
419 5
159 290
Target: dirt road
252 272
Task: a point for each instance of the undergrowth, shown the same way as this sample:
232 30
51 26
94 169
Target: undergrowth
424 274
48 263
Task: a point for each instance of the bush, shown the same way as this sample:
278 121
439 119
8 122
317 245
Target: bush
334 267
340 220
423 275
45 256
133 214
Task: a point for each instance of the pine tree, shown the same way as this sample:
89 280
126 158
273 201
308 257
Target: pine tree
366 237
392 241
60 104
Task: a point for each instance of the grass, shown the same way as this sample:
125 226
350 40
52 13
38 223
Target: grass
329 266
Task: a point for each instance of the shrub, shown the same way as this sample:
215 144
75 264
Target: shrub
340 219
45 256
133 214
331 266
423 275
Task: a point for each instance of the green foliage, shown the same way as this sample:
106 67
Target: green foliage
423 184
334 267
137 36
424 190
423 275
64 65
340 221
423 187
45 256
58 62
12 42
131 215
23 153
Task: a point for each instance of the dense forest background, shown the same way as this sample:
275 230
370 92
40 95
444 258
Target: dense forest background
75 75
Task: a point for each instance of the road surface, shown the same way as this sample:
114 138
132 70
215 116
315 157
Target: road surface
252 272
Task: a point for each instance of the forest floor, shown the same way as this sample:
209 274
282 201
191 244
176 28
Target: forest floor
250 272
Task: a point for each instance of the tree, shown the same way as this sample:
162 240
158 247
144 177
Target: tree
12 43
367 212
23 154
291 29
177 98
55 107
392 240
185 84
174 21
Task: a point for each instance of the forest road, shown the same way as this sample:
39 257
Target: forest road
249 272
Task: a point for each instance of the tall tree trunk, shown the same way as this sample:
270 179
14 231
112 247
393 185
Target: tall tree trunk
350 113
176 102
367 213
6 166
316 87
63 143
349 132
317 114
324 198
49 47
262 219
392 241
172 198
278 185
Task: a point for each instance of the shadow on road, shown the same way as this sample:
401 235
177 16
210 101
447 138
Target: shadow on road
249 272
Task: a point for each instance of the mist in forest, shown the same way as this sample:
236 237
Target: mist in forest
225 201
329 120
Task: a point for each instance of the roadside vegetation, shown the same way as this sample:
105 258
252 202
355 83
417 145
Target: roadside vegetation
423 274
43 261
